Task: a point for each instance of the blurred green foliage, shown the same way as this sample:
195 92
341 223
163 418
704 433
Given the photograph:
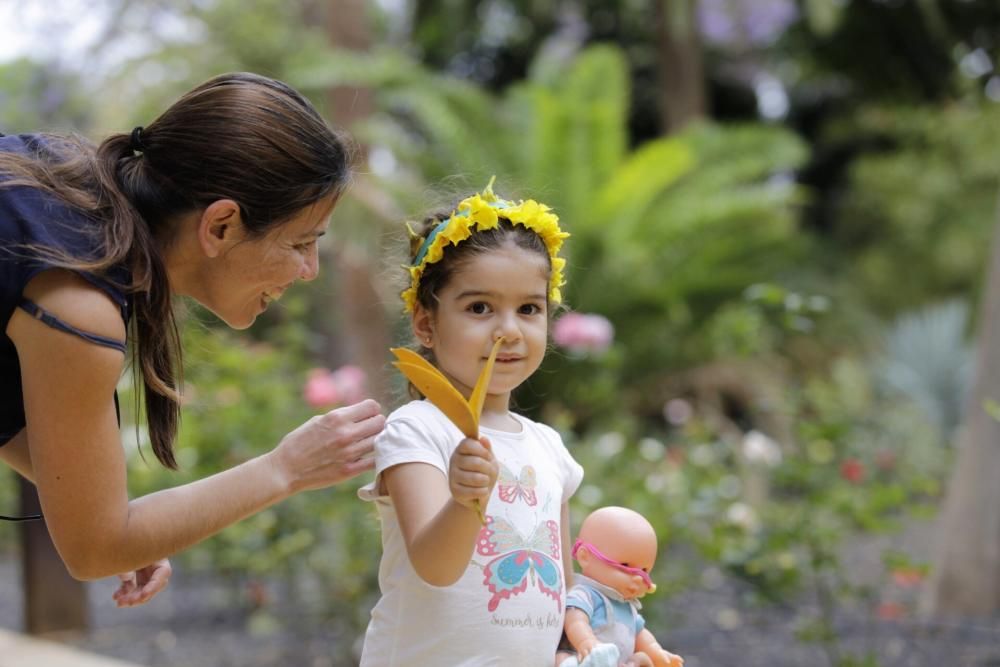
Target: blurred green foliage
37 96
790 254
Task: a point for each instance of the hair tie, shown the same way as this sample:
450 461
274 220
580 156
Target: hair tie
135 143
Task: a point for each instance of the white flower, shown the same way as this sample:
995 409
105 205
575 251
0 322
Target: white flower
656 483
609 444
651 449
702 455
742 515
758 448
677 411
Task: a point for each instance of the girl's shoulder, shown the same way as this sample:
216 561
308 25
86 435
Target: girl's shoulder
418 408
422 414
544 431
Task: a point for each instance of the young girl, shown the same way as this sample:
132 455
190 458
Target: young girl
457 591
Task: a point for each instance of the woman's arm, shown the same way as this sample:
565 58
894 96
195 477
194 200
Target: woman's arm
79 466
15 454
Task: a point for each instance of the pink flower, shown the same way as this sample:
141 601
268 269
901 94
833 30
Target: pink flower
583 333
343 386
852 470
350 382
320 390
907 577
885 460
890 611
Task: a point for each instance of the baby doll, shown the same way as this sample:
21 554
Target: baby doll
616 550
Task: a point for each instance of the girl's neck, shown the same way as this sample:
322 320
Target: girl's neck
499 420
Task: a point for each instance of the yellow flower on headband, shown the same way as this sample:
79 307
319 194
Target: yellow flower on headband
483 211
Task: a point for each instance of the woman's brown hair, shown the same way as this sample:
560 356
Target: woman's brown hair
238 136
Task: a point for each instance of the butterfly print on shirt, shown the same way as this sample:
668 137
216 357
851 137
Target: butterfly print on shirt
511 486
518 560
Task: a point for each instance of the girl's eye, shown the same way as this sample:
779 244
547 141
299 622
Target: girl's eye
530 309
479 308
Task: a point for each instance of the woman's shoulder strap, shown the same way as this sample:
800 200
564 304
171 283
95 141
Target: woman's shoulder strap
51 320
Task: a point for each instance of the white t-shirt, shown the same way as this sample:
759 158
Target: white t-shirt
509 605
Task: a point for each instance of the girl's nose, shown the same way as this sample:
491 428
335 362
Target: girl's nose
508 329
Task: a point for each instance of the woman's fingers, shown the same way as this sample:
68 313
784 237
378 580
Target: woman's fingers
330 448
142 585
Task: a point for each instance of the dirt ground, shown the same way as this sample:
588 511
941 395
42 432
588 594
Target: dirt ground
196 624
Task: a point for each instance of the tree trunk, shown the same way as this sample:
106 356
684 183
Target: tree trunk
347 28
966 574
682 78
365 332
53 600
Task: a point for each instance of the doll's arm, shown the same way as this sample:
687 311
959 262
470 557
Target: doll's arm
579 632
647 643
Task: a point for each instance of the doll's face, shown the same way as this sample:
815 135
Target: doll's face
611 546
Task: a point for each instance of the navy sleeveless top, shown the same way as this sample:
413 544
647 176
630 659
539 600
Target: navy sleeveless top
30 217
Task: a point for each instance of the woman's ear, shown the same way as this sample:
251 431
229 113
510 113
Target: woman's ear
219 227
423 325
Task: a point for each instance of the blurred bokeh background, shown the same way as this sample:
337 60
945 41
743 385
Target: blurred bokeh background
780 328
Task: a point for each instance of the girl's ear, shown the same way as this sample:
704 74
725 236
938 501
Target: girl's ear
423 325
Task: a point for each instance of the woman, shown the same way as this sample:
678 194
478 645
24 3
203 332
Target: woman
221 199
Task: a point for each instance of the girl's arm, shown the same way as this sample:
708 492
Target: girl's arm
78 464
567 547
437 515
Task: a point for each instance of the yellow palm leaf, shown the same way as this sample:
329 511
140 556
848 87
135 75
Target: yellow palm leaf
478 396
441 393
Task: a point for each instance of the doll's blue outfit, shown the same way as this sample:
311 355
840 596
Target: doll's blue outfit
614 620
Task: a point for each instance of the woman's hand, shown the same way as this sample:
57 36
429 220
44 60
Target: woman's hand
329 448
472 472
141 586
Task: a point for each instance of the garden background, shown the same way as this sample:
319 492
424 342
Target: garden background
780 345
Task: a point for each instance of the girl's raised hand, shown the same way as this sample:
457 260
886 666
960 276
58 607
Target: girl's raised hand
329 448
472 472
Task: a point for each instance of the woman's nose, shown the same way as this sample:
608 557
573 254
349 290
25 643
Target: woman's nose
310 268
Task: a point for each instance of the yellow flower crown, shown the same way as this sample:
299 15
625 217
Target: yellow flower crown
483 211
